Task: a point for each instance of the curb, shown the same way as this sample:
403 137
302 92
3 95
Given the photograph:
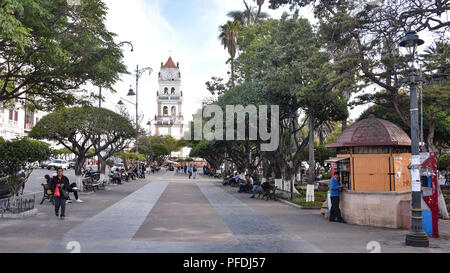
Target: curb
22 215
294 205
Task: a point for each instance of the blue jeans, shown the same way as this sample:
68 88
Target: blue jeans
257 189
243 188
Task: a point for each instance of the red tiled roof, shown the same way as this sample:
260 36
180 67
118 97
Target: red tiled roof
372 132
169 64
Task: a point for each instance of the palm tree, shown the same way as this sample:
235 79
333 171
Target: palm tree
228 37
248 17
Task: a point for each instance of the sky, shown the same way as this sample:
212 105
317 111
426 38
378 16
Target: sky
187 30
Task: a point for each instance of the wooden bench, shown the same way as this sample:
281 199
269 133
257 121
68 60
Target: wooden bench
269 193
48 194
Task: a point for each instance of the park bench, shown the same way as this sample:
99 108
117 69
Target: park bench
48 194
269 193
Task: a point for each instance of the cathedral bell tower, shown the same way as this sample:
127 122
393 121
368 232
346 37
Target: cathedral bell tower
169 119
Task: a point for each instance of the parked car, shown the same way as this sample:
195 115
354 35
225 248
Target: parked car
44 164
118 167
72 163
58 163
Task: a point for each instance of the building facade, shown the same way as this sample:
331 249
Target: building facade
17 122
169 118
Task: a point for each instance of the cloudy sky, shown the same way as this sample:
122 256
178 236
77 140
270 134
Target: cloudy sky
185 29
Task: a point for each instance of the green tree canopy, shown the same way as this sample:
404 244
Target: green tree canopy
17 155
49 49
80 129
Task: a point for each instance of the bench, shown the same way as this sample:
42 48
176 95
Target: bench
269 193
48 194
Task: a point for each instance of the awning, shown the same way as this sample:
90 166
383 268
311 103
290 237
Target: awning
336 159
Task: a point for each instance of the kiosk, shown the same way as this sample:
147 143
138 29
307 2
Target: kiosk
373 156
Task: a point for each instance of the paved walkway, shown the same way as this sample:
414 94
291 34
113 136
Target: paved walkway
169 213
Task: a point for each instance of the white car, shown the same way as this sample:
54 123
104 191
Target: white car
58 163
118 167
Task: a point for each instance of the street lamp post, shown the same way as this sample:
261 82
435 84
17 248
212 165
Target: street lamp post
139 73
416 236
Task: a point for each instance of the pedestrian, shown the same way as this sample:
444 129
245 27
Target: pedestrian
190 171
335 190
62 182
447 177
185 168
195 171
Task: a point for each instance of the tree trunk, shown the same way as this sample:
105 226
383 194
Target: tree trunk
312 163
430 137
232 71
78 171
344 125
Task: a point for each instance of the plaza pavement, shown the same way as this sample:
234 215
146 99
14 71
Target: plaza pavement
169 213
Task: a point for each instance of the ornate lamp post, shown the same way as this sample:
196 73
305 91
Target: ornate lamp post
416 235
139 73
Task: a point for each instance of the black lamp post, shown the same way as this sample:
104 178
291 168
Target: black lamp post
416 236
139 73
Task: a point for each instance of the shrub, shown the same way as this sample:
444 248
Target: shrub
443 162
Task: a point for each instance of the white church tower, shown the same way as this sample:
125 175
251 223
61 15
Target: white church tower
169 119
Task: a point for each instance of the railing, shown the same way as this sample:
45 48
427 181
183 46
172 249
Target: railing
22 205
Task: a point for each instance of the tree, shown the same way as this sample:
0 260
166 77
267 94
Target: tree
285 56
48 49
228 36
208 151
369 32
16 160
158 148
80 129
443 163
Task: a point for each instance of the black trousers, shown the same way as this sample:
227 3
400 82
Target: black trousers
335 211
60 202
75 193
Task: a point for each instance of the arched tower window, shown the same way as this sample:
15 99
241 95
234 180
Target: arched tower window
165 111
166 91
173 111
172 91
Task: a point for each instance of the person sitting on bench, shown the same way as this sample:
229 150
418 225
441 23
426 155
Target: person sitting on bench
246 183
73 188
257 188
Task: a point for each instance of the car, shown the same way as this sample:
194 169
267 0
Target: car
58 163
44 164
72 163
117 167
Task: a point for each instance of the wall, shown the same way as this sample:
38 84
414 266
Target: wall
372 208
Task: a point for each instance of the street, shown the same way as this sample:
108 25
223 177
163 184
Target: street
168 213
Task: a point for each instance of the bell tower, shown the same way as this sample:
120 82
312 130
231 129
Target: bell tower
169 118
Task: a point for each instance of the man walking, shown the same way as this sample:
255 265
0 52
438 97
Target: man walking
62 182
195 171
335 190
190 171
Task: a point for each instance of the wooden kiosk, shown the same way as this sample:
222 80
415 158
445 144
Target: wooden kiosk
372 158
